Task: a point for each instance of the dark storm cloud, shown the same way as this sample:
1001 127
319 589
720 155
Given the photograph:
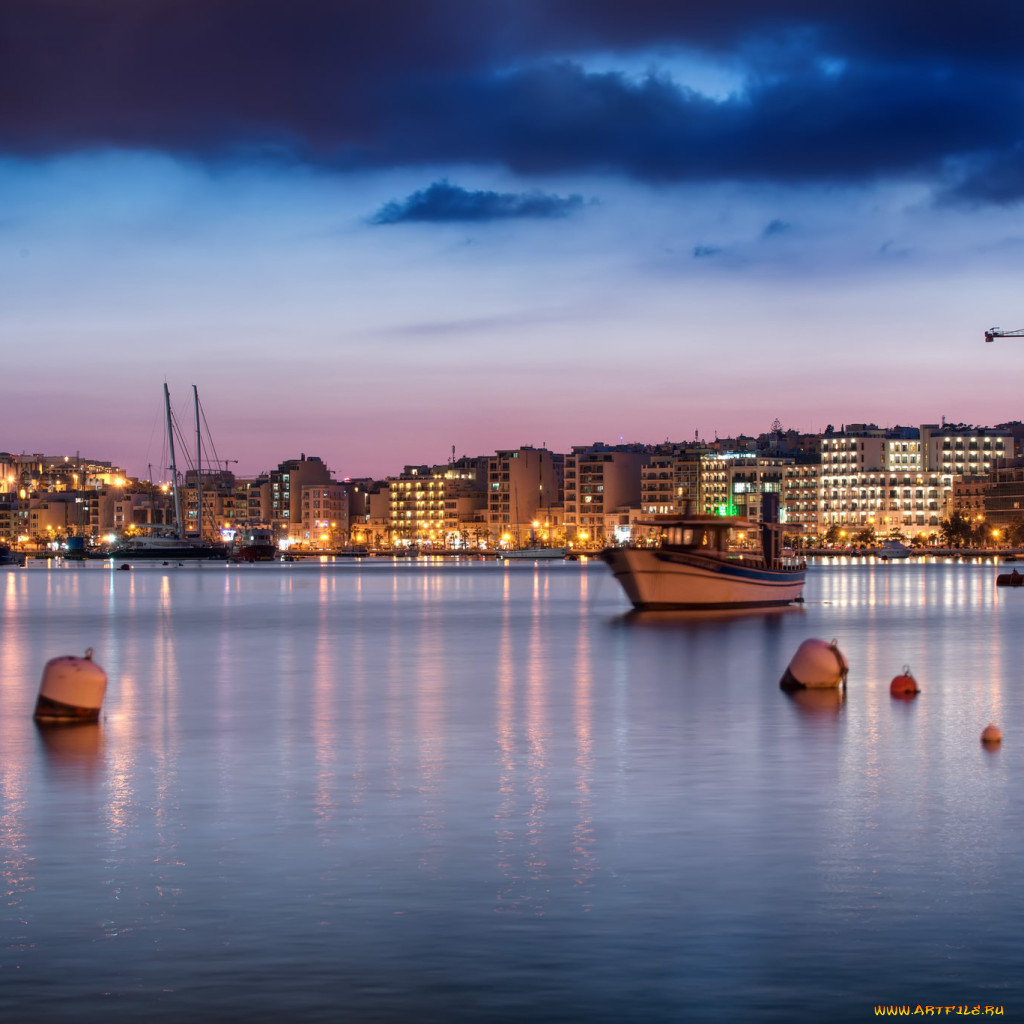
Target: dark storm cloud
443 201
844 91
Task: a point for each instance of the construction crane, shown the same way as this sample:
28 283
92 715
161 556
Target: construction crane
993 332
235 461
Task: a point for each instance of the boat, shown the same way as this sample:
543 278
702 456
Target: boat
169 548
177 546
9 557
894 549
694 568
534 553
1010 579
255 545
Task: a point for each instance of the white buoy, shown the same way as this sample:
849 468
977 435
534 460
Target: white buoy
816 664
72 690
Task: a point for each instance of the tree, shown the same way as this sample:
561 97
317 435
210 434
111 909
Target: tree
956 529
981 533
1015 532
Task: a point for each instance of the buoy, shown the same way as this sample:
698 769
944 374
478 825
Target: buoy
904 685
72 690
815 664
124 566
991 734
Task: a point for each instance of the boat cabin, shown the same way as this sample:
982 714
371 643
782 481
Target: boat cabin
704 536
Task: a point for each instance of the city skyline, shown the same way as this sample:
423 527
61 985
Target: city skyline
541 223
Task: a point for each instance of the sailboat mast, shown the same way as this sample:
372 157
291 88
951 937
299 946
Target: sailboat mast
174 465
199 469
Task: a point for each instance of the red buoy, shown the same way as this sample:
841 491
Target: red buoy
991 734
904 685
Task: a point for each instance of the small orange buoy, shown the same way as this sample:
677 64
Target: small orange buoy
991 734
904 685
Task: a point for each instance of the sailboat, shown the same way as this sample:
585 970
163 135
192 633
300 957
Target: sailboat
177 546
533 551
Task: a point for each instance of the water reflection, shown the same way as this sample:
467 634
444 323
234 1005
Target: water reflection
470 792
818 702
697 618
74 751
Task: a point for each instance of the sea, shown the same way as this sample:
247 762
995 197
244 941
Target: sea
441 790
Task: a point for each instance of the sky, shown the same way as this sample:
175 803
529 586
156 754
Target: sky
377 230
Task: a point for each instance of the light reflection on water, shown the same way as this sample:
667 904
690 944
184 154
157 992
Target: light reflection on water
482 791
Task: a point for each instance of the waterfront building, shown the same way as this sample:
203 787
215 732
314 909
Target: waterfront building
749 479
225 505
439 506
325 516
957 451
671 479
874 479
466 502
713 486
257 497
601 480
372 529
969 496
13 519
51 473
417 507
286 483
800 489
50 517
144 507
521 481
1003 495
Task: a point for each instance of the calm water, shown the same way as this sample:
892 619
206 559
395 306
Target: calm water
462 792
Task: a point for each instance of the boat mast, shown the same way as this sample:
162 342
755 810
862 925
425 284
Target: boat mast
199 469
174 465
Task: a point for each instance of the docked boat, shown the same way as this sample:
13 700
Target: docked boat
694 567
9 557
255 545
894 549
177 546
169 549
534 553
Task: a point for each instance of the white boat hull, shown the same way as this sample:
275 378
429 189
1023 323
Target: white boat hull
654 578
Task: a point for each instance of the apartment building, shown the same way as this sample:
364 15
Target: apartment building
962 451
520 482
325 514
601 481
286 483
670 481
884 479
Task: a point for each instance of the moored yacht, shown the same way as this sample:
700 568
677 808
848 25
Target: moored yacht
534 553
894 549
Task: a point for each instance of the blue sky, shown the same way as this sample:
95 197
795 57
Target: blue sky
375 231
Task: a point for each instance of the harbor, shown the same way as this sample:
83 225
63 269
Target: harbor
476 790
